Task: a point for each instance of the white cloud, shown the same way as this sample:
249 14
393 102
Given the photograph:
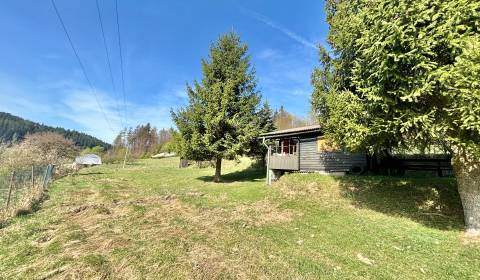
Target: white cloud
66 102
82 108
181 93
294 36
85 111
285 79
12 99
268 54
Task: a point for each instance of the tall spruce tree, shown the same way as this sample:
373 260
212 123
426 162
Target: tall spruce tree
221 119
404 73
265 123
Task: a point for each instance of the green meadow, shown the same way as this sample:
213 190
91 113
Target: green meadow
152 220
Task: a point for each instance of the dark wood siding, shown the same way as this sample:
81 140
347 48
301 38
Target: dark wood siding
284 162
312 160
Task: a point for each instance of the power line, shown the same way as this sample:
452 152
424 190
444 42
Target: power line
123 76
92 88
121 60
108 57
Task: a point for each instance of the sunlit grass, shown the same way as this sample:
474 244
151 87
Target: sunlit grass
153 220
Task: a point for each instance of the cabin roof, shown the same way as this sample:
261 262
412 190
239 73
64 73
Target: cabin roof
292 131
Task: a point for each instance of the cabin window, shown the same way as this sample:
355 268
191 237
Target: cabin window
285 146
325 145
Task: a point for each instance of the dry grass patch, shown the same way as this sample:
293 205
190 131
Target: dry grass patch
154 221
320 188
262 213
92 231
208 263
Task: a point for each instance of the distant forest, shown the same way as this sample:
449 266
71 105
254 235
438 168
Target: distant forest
13 129
285 120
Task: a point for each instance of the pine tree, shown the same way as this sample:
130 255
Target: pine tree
220 120
265 119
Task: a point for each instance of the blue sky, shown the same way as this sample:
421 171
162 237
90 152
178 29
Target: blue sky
162 42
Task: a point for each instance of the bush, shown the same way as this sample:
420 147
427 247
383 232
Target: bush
115 155
38 149
97 150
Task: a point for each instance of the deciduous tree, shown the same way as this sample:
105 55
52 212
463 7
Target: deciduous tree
285 120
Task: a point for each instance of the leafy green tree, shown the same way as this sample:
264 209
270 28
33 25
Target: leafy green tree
97 150
405 73
220 120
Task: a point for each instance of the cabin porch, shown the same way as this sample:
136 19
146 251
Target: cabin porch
284 154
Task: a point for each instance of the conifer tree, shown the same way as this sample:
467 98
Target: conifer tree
406 73
221 119
266 123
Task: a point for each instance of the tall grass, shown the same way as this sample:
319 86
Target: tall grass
23 170
22 190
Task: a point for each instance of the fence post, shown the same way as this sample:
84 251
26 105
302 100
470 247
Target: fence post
50 175
45 177
10 187
33 177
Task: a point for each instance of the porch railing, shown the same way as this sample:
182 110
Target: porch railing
281 160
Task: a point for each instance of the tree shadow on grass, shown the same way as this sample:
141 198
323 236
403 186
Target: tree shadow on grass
250 174
431 201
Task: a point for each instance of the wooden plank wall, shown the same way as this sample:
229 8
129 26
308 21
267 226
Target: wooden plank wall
285 162
312 160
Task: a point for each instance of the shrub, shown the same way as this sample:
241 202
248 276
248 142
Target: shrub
38 149
97 150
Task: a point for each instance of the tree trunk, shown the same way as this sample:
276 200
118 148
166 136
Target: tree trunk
218 170
467 173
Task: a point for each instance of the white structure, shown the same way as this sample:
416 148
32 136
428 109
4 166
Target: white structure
163 155
89 159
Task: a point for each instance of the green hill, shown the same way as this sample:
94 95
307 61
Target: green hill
13 128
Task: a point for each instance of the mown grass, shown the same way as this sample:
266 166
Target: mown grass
153 221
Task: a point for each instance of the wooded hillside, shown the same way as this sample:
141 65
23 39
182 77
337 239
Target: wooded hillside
13 128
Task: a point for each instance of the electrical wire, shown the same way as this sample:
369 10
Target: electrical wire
121 61
92 88
107 53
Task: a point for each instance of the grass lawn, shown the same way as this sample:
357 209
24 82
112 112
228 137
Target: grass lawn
153 221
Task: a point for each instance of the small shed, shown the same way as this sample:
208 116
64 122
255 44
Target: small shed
303 149
90 159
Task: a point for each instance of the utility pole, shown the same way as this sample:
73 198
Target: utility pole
127 136
125 158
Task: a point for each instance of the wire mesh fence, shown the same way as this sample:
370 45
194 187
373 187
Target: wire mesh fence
23 187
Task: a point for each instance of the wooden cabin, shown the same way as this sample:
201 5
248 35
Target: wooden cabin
304 149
